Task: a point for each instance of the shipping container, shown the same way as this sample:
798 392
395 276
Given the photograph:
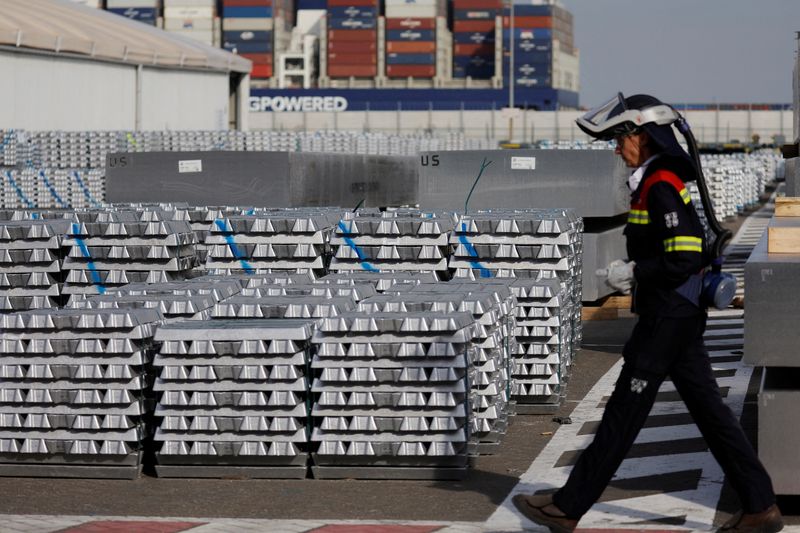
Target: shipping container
248 47
411 47
246 11
345 3
474 38
473 61
353 12
352 35
261 59
482 72
483 26
410 35
352 24
261 71
352 46
246 36
476 14
410 59
477 4
354 71
243 24
473 50
247 3
410 71
352 59
410 23
141 14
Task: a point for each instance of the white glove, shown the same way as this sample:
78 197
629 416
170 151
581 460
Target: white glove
619 275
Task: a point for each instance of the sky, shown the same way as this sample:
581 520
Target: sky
686 51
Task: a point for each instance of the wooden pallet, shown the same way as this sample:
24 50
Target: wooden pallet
608 308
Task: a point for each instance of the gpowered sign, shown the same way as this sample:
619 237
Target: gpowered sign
297 103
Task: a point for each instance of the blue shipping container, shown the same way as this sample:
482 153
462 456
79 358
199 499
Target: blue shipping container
352 12
246 36
483 72
543 34
475 14
474 37
249 47
142 14
311 4
410 35
352 24
410 59
522 10
246 12
533 81
472 61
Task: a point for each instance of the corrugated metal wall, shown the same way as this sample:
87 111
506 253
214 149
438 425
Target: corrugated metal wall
40 92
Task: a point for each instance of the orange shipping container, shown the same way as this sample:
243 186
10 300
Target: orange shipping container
477 4
355 71
352 59
261 71
410 47
410 24
482 26
352 35
529 22
412 71
350 47
474 50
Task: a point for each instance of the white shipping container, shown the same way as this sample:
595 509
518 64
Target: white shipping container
403 11
90 3
242 24
188 24
114 4
190 3
189 12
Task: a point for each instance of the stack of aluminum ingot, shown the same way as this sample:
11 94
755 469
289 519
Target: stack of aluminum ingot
544 347
179 306
533 244
116 248
75 393
30 263
392 241
233 398
287 240
492 305
392 395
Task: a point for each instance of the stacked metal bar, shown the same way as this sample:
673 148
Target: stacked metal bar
110 249
233 398
30 264
392 241
492 305
280 240
171 306
544 349
75 392
533 244
392 395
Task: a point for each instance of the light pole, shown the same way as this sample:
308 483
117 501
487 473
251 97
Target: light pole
511 73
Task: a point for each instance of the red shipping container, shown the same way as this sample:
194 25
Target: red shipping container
350 47
410 24
477 4
529 22
485 50
352 35
345 3
355 71
482 26
247 3
413 71
259 59
410 47
261 71
352 59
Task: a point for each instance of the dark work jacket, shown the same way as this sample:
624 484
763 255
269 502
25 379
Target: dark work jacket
666 240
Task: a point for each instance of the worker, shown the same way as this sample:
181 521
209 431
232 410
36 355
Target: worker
666 248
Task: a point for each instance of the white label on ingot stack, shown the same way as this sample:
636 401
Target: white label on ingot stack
190 165
523 163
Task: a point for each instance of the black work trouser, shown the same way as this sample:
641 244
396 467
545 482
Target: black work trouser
661 347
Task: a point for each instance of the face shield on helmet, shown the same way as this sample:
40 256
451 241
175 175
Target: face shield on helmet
617 117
